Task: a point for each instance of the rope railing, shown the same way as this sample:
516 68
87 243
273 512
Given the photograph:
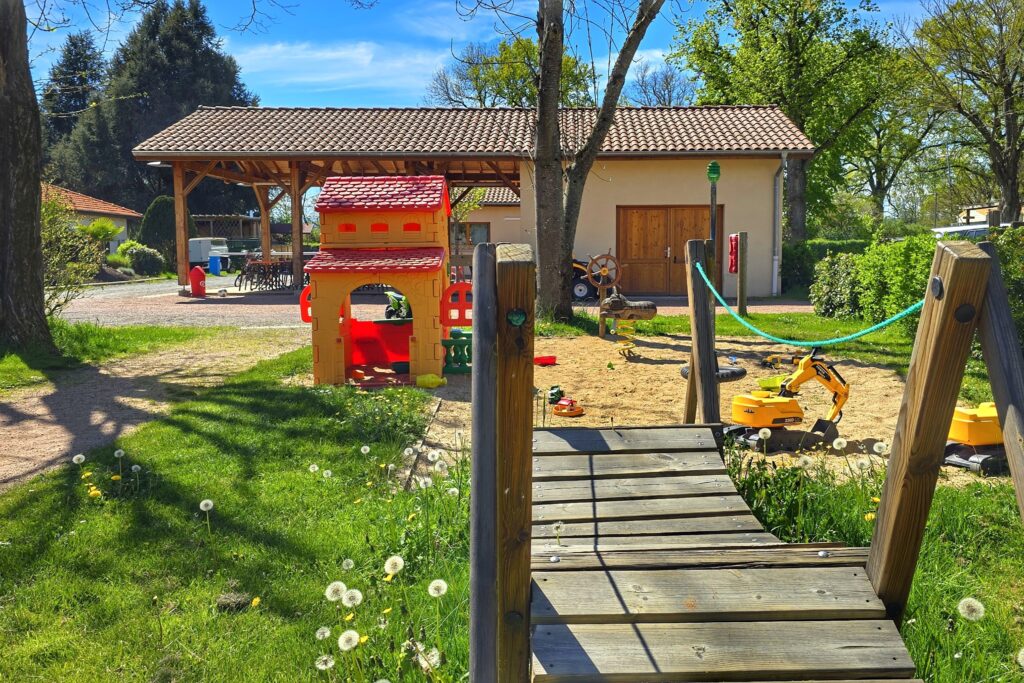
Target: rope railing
909 310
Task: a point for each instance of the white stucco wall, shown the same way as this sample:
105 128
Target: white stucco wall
745 192
506 223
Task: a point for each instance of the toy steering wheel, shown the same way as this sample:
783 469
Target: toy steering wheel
603 271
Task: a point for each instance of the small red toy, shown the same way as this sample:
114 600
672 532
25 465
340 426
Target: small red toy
568 407
544 361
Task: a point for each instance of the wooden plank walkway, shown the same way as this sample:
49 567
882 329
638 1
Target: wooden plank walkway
648 566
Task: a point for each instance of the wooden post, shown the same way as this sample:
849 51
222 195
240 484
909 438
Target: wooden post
741 274
180 223
602 326
952 305
690 406
296 196
263 200
483 555
702 334
1002 352
516 276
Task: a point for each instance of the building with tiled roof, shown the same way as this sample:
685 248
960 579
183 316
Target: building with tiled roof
646 196
87 209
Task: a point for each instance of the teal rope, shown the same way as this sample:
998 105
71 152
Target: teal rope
824 342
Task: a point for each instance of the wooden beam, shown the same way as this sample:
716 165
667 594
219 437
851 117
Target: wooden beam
504 178
462 195
180 223
296 178
953 302
1002 352
199 176
282 193
263 200
703 366
517 294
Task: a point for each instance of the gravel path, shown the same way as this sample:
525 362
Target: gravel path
43 426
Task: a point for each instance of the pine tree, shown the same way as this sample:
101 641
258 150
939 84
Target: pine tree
168 66
73 84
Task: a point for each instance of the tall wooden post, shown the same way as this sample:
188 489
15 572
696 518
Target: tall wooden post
517 294
953 302
741 274
703 366
180 223
263 201
1002 352
483 555
296 195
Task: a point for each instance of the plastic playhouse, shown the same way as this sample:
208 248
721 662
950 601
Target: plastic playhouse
381 230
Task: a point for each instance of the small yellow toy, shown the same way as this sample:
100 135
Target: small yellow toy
430 381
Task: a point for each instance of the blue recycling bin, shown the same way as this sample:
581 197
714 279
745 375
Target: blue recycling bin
214 265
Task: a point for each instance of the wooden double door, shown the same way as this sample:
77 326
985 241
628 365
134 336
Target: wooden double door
651 245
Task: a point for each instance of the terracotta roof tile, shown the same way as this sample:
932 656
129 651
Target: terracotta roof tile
407 260
499 196
385 193
395 132
83 203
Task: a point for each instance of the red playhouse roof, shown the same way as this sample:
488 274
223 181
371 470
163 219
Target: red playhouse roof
384 193
409 260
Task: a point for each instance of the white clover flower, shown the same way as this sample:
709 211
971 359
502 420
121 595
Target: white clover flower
78 459
314 468
324 662
347 564
348 640
880 448
328 474
206 505
352 598
335 590
839 444
805 462
136 468
453 492
971 609
365 450
863 465
434 456
119 453
323 633
394 564
441 468
437 588
764 433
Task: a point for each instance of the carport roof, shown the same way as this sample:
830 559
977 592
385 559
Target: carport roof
322 133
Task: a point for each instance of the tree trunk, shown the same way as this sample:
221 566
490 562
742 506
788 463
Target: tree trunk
553 255
22 313
796 198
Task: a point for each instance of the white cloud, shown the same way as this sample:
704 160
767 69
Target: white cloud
443 20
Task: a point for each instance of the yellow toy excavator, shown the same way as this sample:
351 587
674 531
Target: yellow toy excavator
778 410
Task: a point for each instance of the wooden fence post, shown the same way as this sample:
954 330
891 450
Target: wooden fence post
483 521
1002 352
741 274
516 288
703 366
953 302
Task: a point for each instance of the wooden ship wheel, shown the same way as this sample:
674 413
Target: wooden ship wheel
603 272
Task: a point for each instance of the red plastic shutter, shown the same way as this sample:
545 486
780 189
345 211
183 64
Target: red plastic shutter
457 305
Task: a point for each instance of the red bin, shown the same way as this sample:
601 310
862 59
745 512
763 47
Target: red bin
197 280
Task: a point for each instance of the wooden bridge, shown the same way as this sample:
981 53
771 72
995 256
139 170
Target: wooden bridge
626 554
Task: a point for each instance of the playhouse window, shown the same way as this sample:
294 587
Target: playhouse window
378 227
347 227
412 227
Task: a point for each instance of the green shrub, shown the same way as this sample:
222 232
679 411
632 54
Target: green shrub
126 247
1010 247
892 276
146 261
800 258
157 229
70 257
102 230
834 290
118 261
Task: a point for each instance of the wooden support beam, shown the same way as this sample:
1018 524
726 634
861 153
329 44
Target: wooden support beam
504 177
953 302
180 222
199 176
517 293
281 194
263 200
1002 352
462 195
296 178
703 366
379 166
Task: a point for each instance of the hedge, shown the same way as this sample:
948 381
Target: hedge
800 258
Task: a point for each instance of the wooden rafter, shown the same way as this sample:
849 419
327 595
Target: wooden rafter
462 195
198 177
504 178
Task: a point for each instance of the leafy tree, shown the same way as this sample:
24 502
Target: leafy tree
819 61
972 53
170 64
73 84
70 256
101 230
505 76
157 229
660 86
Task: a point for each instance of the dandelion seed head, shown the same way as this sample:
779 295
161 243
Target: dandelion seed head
206 505
323 633
119 453
437 588
314 468
335 590
839 443
804 461
78 459
347 563
434 456
348 640
441 468
558 527
863 465
328 474
408 452
136 468
1020 658
426 482
365 450
880 448
324 662
391 468
764 433
453 492
352 598
394 564
971 609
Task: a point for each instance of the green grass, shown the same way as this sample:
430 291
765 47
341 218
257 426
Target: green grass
972 547
889 347
80 343
124 586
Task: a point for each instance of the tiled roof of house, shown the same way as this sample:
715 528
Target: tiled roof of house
499 196
407 260
396 132
384 193
83 203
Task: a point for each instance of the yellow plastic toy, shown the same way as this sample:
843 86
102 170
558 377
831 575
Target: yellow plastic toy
976 426
431 381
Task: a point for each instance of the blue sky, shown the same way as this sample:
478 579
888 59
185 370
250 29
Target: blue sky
327 53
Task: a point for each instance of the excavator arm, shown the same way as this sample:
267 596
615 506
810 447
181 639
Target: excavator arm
811 367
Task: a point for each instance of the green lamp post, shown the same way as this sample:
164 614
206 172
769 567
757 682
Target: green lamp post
714 173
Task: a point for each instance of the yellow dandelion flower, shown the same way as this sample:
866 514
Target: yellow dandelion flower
116 477
387 611
369 483
255 602
870 516
95 493
876 499
410 517
382 465
350 616
357 501
363 640
389 577
86 475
